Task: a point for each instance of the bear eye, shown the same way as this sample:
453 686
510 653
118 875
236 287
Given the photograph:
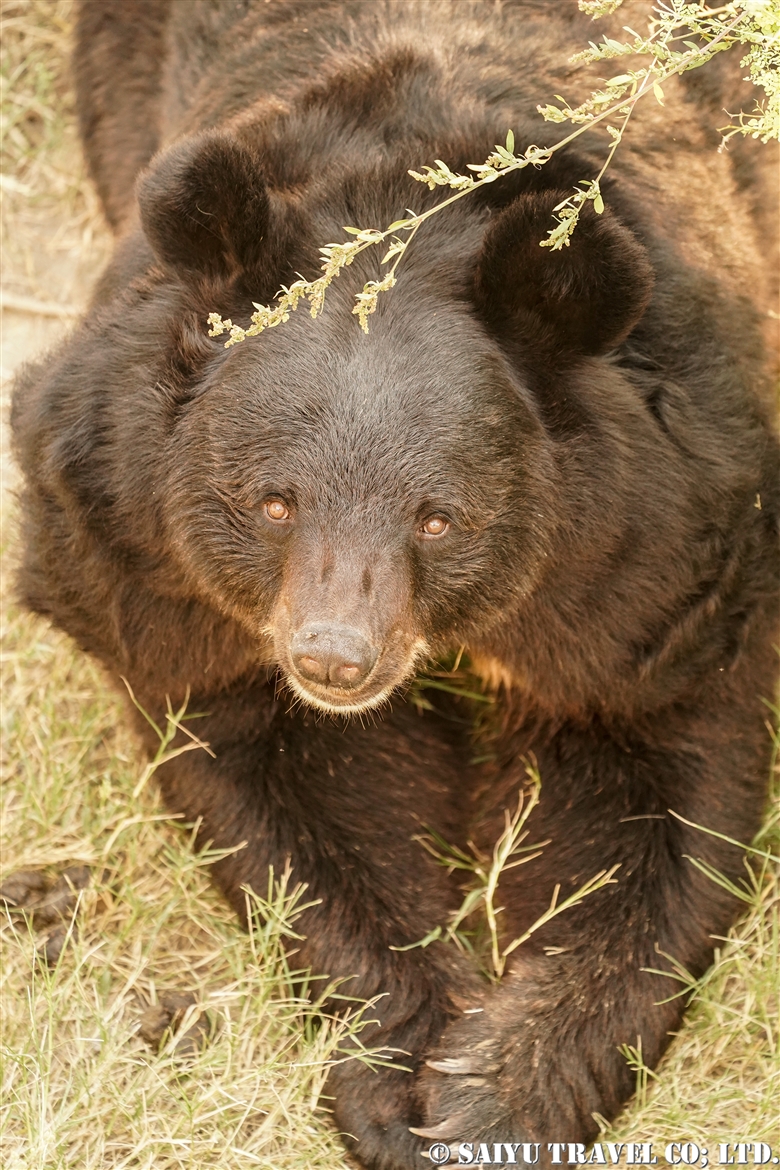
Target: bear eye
276 510
434 526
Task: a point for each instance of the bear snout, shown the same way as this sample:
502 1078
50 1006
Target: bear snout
337 666
332 654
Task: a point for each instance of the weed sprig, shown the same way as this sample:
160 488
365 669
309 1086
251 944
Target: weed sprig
702 32
487 871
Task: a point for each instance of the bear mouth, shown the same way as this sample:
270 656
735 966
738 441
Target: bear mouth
339 700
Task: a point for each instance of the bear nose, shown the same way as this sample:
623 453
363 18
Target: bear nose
339 655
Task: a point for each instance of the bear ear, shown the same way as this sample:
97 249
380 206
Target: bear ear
204 206
576 302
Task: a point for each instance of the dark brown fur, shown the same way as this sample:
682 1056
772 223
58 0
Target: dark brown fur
592 425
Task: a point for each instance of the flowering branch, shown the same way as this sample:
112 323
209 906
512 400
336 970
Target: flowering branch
755 23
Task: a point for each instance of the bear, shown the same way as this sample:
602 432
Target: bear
563 464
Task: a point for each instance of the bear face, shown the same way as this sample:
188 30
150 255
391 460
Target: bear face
371 497
362 506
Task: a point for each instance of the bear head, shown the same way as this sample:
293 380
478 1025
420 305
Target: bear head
360 504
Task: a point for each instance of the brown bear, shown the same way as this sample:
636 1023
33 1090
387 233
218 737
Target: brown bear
561 462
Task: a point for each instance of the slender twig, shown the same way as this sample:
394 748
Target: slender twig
503 162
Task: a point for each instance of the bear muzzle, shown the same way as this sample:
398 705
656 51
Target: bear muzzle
332 654
343 628
334 666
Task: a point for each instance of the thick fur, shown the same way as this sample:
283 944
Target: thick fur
588 430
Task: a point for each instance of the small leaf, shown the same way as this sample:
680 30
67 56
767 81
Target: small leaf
598 205
396 247
659 93
551 113
510 141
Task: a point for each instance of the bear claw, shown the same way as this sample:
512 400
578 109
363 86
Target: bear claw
450 1127
455 1065
451 1064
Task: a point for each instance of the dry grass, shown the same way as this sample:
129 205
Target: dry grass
80 1088
53 233
720 1080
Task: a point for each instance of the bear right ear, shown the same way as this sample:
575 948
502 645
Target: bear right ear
204 206
576 302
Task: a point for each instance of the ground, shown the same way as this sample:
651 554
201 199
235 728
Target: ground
81 1087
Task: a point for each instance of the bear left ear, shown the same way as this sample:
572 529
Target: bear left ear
576 302
204 206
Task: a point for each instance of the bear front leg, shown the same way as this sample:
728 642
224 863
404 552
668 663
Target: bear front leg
344 803
543 1056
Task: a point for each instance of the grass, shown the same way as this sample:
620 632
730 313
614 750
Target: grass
80 1088
52 229
720 1080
